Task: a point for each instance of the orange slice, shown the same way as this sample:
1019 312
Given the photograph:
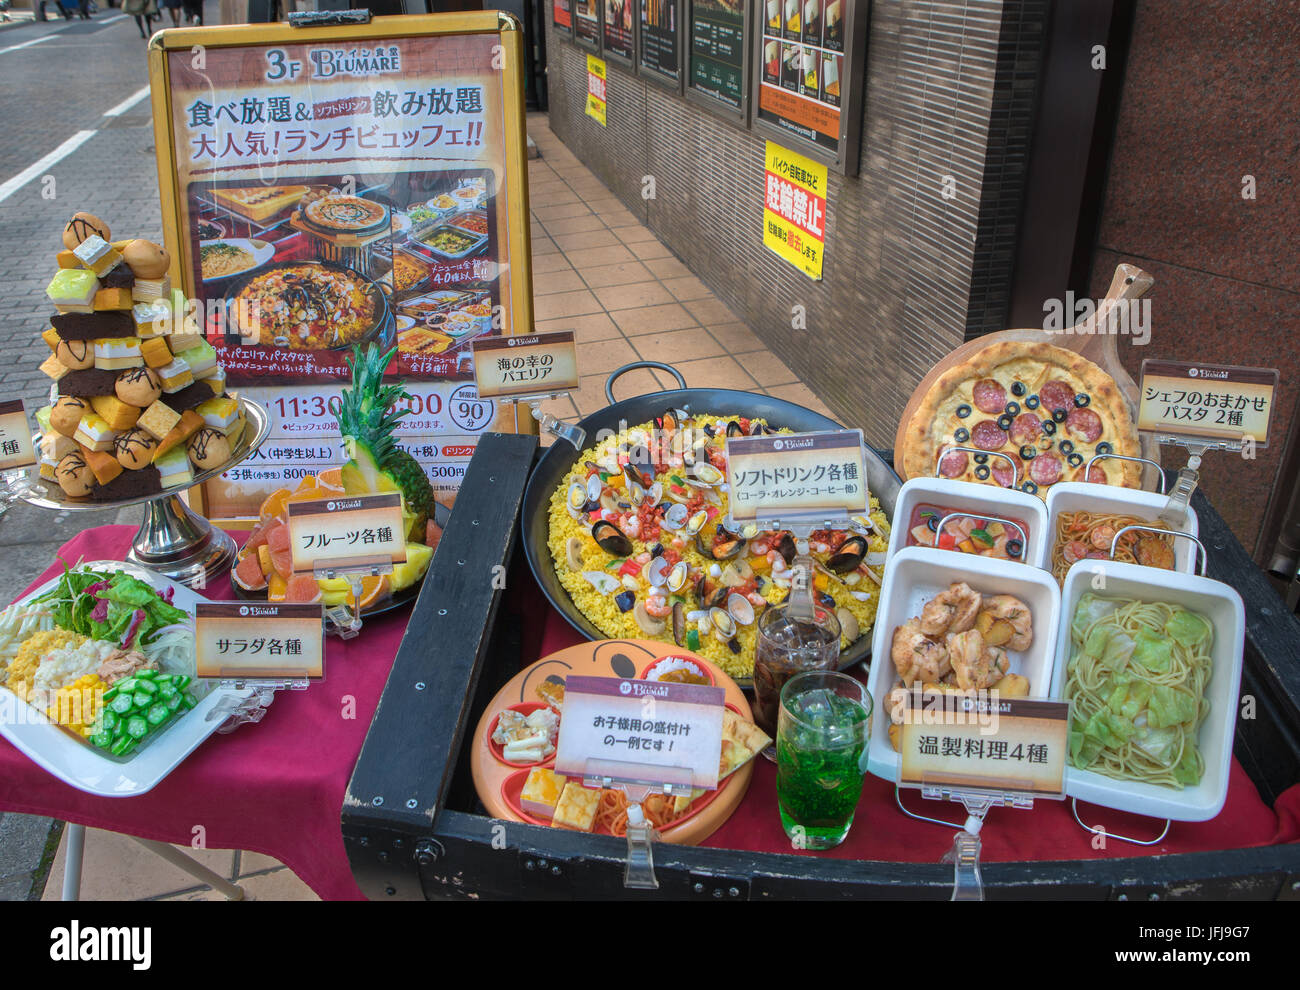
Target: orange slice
331 478
373 591
308 483
274 504
275 587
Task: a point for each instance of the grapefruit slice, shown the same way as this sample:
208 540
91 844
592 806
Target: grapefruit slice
248 574
302 588
277 540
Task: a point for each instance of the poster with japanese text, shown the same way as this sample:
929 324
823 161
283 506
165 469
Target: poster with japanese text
561 16
803 62
718 50
586 22
660 38
333 194
794 209
618 28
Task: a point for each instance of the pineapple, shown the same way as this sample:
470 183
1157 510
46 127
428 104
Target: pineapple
375 463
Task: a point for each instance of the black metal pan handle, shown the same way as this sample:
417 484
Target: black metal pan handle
620 372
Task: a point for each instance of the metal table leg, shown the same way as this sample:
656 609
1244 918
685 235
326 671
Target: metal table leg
76 835
231 891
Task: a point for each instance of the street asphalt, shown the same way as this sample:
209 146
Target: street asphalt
72 140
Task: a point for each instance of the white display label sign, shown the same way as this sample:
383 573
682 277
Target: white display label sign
646 732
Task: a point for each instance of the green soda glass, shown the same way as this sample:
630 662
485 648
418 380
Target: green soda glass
823 731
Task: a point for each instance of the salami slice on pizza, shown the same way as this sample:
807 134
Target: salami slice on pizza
1031 414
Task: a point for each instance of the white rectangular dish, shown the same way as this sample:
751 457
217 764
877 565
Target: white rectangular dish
1223 607
982 500
914 576
1073 496
79 764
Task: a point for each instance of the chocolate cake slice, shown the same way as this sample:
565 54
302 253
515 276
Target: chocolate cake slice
90 326
190 397
129 484
88 383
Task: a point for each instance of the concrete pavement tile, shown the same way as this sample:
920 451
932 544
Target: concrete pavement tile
593 326
590 396
687 288
573 224
633 294
668 268
649 250
651 319
628 271
548 214
621 218
549 282
598 256
767 369
710 311
550 263
117 868
736 338
600 357
801 394
677 346
574 303
716 372
544 245
586 239
634 234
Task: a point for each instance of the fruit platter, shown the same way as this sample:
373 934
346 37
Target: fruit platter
367 420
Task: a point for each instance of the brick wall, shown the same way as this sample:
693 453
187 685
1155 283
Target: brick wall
908 274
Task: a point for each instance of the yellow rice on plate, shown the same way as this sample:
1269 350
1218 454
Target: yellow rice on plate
856 591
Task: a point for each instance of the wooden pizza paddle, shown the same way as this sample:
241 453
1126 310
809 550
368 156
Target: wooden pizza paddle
1129 283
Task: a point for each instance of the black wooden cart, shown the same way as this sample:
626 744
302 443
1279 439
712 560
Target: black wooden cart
414 828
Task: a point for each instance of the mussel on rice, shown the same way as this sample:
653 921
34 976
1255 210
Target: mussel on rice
734 429
722 546
785 546
849 555
611 539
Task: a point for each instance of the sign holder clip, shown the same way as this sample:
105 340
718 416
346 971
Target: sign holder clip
250 710
968 884
575 435
344 620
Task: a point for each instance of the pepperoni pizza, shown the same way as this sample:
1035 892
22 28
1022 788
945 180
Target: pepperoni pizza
1034 414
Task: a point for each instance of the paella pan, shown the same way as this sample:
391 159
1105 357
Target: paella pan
626 537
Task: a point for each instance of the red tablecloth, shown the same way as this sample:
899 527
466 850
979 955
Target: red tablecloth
1047 832
274 788
277 787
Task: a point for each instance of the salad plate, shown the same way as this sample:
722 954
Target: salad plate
79 764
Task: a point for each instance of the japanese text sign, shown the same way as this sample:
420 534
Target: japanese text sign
244 639
801 474
336 185
1207 402
16 449
347 533
982 742
537 365
794 209
646 732
597 77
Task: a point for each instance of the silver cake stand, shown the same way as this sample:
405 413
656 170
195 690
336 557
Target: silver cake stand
173 539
